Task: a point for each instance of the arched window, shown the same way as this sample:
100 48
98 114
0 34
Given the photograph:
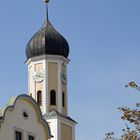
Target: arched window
39 97
63 99
52 97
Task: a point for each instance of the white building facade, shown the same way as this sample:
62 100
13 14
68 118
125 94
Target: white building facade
21 119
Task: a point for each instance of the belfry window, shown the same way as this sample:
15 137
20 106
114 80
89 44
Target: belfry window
63 99
52 97
39 98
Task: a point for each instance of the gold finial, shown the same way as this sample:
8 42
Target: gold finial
46 1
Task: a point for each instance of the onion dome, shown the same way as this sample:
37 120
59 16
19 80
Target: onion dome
47 41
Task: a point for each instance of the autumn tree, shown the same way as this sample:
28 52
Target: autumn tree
132 117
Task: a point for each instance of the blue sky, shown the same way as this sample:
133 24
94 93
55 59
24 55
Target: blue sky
104 39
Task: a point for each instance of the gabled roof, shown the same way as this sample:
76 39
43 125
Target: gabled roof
11 105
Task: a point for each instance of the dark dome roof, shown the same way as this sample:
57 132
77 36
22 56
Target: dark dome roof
47 41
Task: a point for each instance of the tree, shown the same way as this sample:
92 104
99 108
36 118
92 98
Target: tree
132 116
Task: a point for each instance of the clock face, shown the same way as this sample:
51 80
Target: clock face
38 76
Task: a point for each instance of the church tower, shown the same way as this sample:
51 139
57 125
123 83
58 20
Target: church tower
47 58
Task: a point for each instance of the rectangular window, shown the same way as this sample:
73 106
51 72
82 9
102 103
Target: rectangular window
18 135
30 137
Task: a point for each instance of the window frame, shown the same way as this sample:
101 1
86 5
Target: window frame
20 131
31 134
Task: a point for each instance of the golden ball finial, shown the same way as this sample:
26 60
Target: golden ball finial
46 1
